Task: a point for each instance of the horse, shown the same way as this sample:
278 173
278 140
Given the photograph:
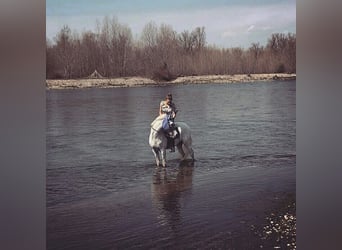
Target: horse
158 141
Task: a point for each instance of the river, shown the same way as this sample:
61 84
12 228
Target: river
105 192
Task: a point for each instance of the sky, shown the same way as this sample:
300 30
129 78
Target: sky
228 23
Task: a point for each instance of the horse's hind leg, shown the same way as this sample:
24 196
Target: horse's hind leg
192 153
188 147
156 155
181 151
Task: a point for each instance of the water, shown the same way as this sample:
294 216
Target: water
104 192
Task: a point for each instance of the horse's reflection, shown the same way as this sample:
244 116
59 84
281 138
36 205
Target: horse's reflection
170 189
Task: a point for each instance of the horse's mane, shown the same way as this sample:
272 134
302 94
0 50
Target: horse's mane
157 123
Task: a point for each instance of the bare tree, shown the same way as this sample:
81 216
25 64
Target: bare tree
65 51
160 52
254 54
149 41
124 48
199 37
187 42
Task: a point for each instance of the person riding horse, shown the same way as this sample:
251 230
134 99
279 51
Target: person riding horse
169 108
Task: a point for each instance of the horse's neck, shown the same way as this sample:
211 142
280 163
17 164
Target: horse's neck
157 134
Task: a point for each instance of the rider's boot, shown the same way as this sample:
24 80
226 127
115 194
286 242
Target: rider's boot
172 140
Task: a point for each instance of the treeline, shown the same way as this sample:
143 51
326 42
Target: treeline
160 53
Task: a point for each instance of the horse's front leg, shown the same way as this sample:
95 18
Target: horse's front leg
163 157
156 155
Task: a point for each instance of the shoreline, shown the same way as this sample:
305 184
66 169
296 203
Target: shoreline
142 81
278 229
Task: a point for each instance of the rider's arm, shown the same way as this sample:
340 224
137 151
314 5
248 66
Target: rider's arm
160 108
174 109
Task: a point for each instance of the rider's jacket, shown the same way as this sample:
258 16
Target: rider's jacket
168 109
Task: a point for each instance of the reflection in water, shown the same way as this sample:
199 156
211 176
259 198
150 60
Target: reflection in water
170 187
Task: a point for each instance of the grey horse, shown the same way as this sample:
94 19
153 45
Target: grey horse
158 142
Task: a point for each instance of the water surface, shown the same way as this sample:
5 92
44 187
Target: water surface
104 192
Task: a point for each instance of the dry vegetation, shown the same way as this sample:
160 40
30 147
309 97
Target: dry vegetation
161 54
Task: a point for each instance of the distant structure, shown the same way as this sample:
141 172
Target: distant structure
95 74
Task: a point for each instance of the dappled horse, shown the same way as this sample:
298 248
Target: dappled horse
158 141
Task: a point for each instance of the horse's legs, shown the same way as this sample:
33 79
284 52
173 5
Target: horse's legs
163 157
192 153
156 155
181 151
189 149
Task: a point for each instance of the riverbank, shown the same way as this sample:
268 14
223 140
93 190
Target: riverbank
279 228
141 81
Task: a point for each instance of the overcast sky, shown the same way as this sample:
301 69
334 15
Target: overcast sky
228 23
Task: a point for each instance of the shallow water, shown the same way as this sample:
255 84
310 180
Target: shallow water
103 190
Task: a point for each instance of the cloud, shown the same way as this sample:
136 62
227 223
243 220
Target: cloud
242 23
256 24
229 33
250 28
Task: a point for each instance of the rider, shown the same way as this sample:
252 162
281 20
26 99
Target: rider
169 108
